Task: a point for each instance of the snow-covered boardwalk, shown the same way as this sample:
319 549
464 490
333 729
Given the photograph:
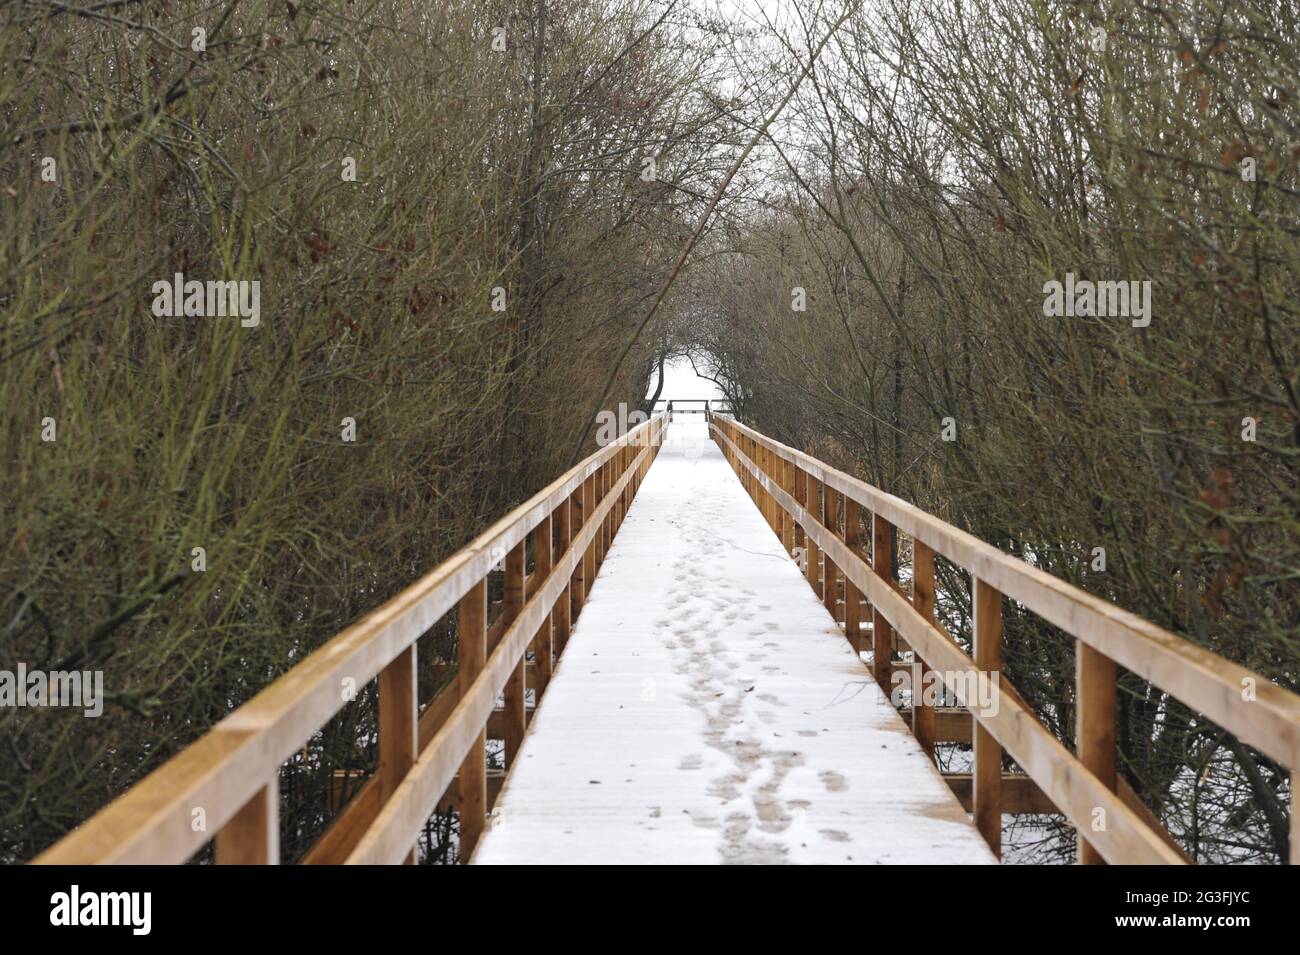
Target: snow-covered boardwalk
707 709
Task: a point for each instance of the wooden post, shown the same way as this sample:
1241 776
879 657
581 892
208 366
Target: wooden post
607 525
812 502
625 496
882 634
515 717
787 519
598 542
471 795
576 585
923 599
1096 680
563 612
775 508
987 795
852 599
589 556
542 643
800 494
399 733
252 836
830 574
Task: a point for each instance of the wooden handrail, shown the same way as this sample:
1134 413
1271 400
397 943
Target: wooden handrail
1084 787
223 787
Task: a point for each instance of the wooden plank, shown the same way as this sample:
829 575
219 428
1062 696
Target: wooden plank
1020 794
1096 680
578 581
812 553
496 779
589 555
543 646
923 599
402 817
787 522
152 822
252 836
337 841
987 797
1067 782
853 599
602 536
399 734
563 613
882 634
516 686
1134 802
603 776
949 724
471 803
608 484
1204 681
830 579
800 493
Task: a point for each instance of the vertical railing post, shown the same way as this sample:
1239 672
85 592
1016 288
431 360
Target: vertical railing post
578 584
589 555
399 733
471 795
543 647
799 483
923 599
515 718
830 582
1096 679
625 458
773 518
882 634
778 524
252 836
598 543
607 525
812 503
987 777
563 613
852 598
788 521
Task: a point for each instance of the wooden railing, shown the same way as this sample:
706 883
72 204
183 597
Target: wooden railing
226 783
815 507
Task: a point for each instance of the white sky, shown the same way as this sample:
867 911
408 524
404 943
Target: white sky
680 381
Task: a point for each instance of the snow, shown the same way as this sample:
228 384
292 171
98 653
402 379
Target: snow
707 709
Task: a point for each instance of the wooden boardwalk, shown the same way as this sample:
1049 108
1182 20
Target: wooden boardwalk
707 709
698 703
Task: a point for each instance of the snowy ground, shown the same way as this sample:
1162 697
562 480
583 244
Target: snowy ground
707 710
